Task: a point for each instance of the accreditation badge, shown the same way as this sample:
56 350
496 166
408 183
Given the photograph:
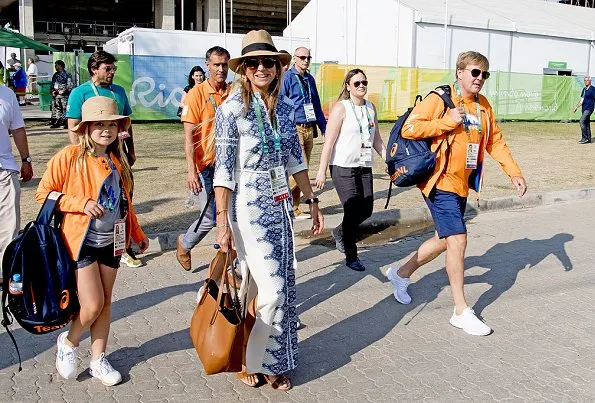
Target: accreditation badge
119 237
365 155
278 184
309 111
472 154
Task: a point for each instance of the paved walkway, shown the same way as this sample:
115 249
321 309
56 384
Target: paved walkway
530 275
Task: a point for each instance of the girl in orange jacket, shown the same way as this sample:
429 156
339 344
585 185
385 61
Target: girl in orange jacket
95 179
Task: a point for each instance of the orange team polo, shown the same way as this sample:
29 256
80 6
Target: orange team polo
428 121
198 109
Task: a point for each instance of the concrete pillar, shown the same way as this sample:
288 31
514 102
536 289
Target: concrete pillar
165 14
199 16
213 15
26 27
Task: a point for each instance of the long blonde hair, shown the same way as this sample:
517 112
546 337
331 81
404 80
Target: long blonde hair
344 94
271 99
87 147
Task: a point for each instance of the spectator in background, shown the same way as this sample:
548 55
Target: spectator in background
300 87
11 123
587 101
60 89
19 81
285 66
195 77
13 59
31 80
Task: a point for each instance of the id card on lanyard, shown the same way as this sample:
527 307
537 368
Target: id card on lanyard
119 237
308 105
472 147
279 188
365 154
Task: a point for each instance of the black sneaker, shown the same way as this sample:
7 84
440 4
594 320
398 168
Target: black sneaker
355 265
584 142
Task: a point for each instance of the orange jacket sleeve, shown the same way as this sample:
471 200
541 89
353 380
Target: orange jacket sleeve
426 120
53 179
499 150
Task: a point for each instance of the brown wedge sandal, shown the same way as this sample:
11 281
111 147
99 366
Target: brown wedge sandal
281 382
252 380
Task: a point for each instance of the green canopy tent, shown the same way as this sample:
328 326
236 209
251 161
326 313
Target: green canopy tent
9 38
16 40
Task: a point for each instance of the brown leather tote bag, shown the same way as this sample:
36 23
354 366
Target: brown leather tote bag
217 328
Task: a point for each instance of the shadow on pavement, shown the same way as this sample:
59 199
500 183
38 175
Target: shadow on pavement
504 261
122 308
332 348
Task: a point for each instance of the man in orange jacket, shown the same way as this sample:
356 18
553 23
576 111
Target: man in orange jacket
469 130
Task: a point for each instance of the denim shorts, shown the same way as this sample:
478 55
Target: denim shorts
91 254
448 210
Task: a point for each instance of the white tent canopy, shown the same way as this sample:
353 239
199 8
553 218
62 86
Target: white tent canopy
516 35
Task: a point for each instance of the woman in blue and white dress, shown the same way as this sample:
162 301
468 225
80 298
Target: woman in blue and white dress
257 148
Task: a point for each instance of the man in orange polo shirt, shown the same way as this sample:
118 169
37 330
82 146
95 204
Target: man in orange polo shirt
470 130
198 116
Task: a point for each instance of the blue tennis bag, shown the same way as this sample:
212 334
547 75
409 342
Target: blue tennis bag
411 162
39 286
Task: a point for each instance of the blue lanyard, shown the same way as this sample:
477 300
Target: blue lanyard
301 85
97 92
465 121
276 137
359 122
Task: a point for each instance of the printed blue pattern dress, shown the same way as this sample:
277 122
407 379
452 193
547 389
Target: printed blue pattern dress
262 228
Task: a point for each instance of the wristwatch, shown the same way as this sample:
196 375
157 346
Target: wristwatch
27 159
312 200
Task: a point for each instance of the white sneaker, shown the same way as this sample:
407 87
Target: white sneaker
103 370
469 323
66 358
400 285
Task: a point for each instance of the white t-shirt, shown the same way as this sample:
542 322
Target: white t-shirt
346 152
32 70
10 119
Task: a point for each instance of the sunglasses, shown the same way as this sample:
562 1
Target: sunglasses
109 69
363 82
476 72
252 63
302 58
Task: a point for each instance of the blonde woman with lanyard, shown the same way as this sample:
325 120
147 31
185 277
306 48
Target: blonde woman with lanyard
351 133
256 150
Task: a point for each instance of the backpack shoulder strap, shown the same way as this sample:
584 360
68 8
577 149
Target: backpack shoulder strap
443 92
48 209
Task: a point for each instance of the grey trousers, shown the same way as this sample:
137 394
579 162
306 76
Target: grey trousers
191 238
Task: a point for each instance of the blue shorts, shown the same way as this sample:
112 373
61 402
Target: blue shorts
448 210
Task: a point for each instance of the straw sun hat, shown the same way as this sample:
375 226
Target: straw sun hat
97 109
258 43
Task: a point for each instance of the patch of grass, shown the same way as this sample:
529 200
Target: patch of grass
548 153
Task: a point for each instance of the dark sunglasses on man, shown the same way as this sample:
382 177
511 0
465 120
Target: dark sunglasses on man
476 72
252 63
302 58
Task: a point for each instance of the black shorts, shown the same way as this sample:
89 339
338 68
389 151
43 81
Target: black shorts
105 256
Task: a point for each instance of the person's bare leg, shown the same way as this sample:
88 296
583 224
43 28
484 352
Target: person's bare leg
427 252
90 294
455 267
100 328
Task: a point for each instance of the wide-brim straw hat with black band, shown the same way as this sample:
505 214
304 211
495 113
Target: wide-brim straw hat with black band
97 109
258 43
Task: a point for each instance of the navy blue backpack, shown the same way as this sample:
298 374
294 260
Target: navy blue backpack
411 162
45 298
